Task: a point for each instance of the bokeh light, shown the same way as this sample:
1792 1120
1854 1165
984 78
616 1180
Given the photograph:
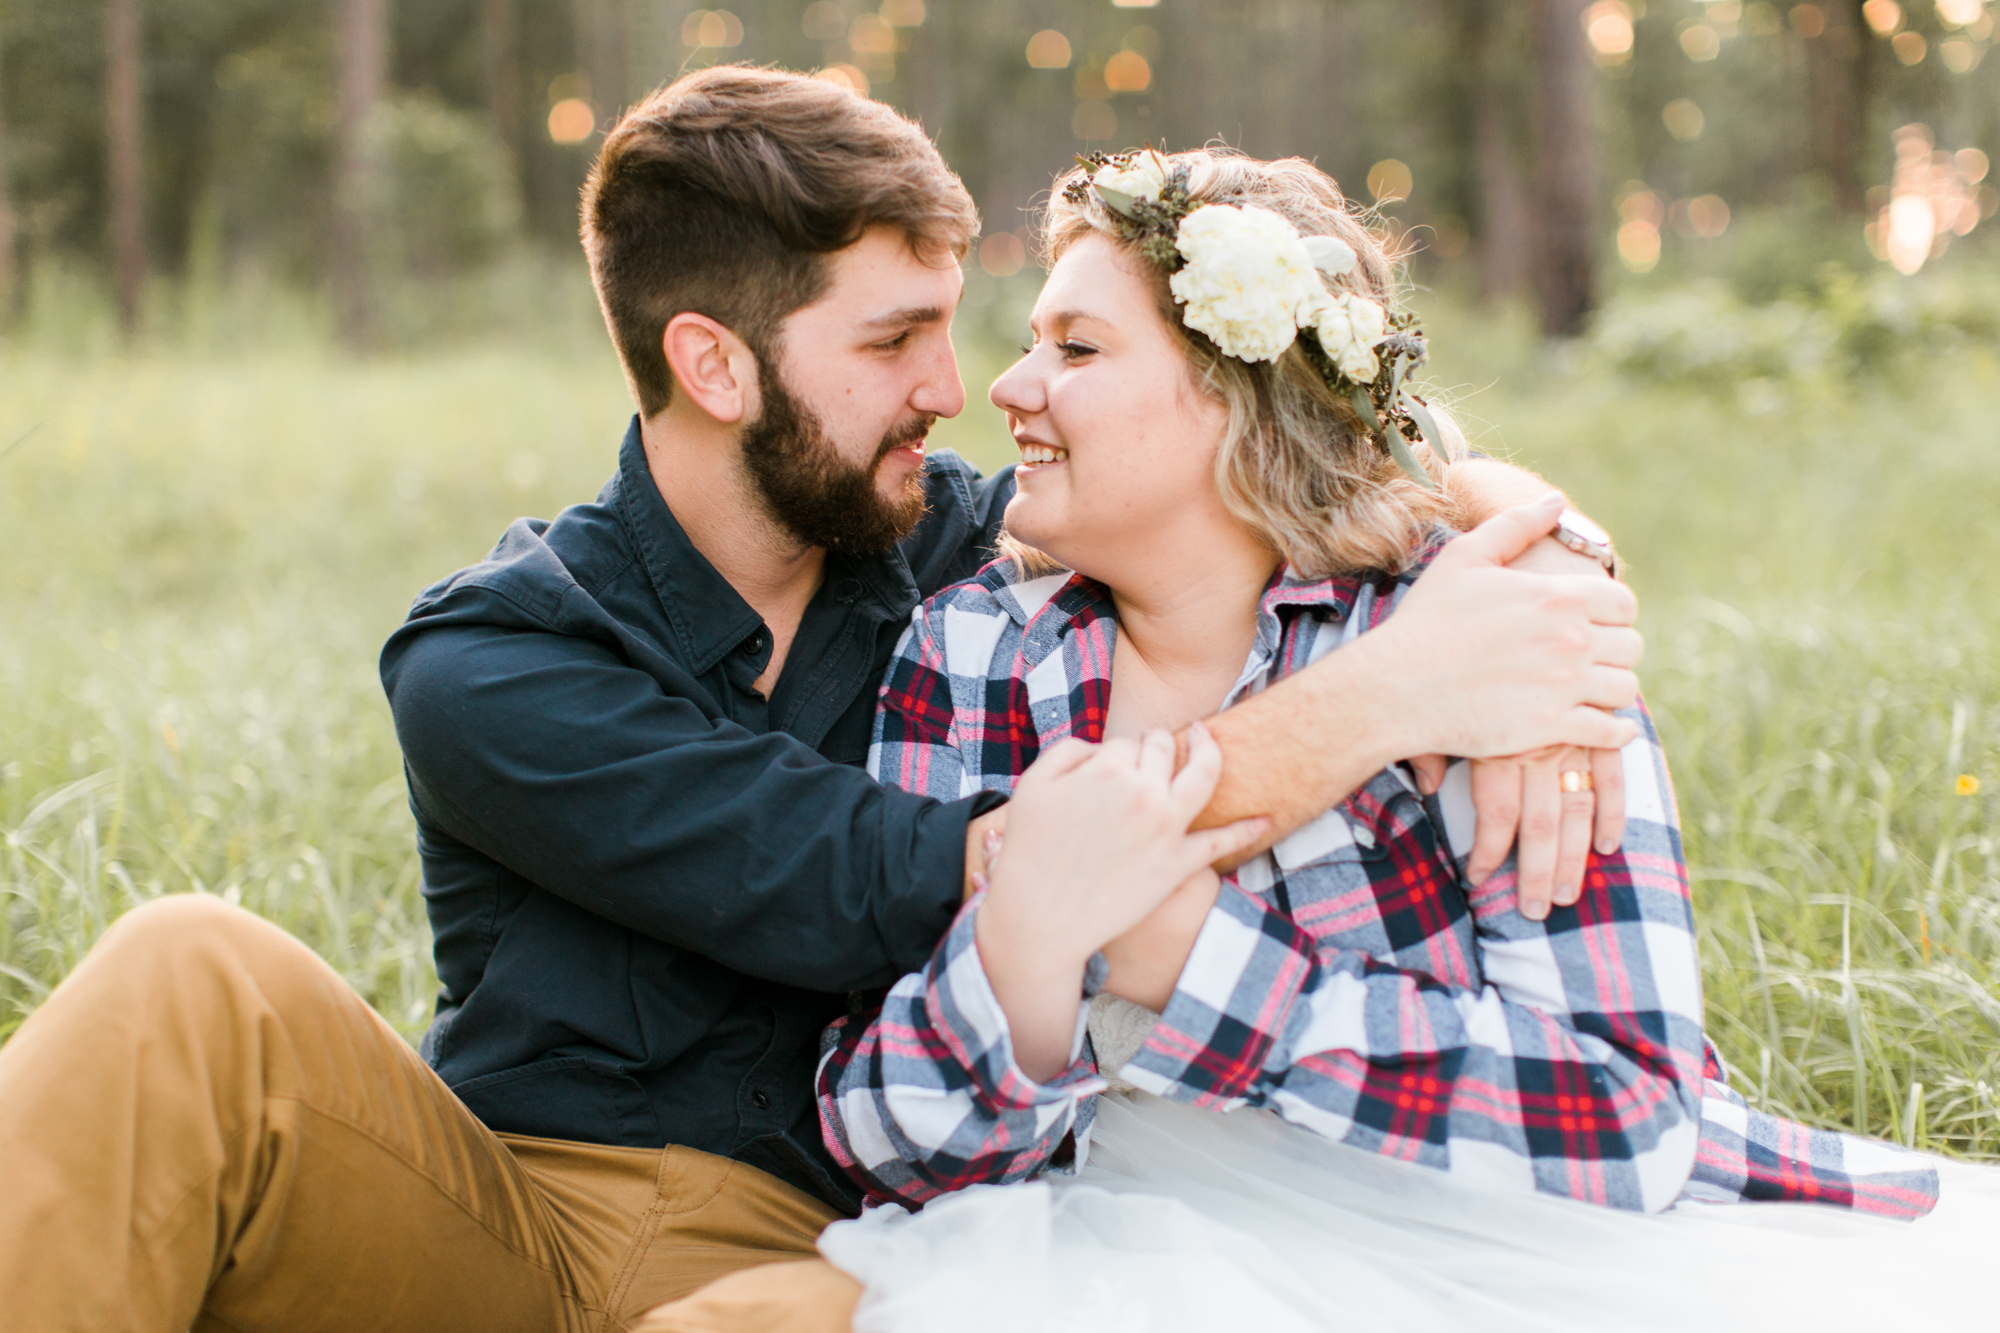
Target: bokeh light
1608 26
871 34
713 29
1683 119
1933 197
1389 181
1003 254
824 21
1094 120
572 120
847 76
1959 56
1961 13
1701 42
1133 4
1909 47
1808 21
1884 16
1048 49
1708 215
1641 211
903 13
1127 72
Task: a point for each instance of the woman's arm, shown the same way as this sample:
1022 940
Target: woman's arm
1575 1069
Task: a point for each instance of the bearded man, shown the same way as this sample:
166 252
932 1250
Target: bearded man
654 865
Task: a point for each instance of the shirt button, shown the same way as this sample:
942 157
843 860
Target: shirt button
754 644
760 1100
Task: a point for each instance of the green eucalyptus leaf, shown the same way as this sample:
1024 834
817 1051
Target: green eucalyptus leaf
1402 364
1399 449
1425 423
1364 408
1117 201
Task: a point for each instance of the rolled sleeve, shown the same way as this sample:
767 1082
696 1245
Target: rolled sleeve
924 1096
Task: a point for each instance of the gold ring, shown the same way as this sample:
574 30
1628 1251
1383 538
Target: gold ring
1575 779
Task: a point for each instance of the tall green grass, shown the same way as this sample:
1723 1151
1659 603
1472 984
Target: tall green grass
206 546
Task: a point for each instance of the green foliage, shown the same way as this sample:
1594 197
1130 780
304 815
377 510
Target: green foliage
445 200
1843 327
210 548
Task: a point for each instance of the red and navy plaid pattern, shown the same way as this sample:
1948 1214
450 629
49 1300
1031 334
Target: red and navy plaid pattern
1349 980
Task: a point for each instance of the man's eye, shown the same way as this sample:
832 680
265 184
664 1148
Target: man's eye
894 343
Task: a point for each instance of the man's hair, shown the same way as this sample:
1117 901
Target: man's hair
724 193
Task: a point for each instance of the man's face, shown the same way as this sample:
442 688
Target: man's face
850 390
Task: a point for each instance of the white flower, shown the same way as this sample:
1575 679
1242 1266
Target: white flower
1331 255
1249 281
1349 327
1143 176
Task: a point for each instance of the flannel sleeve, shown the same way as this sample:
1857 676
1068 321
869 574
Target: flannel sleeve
915 744
923 1096
1575 1069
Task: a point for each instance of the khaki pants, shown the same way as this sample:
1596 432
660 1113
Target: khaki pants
205 1128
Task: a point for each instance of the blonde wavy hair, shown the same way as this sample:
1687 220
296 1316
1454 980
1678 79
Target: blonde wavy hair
1296 465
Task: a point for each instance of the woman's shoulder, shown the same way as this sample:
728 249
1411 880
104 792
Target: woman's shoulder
1002 590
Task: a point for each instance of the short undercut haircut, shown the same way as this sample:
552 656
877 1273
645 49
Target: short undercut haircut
725 192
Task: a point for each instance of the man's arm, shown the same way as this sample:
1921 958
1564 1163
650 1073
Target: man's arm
1479 660
556 757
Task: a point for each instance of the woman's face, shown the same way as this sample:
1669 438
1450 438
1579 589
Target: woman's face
1117 444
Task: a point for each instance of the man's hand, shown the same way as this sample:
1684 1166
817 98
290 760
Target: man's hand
1512 797
1484 661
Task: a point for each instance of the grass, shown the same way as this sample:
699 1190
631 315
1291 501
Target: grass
209 542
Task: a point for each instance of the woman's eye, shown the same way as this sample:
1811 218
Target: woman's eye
1071 351
1026 350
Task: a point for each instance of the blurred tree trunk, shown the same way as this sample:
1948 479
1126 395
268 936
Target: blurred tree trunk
603 36
1503 209
123 124
1836 77
1565 165
363 42
10 279
502 73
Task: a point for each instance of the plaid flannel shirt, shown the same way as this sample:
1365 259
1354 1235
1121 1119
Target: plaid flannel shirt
1349 980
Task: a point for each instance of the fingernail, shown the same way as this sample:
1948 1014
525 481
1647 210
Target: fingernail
979 882
1534 911
1605 846
992 840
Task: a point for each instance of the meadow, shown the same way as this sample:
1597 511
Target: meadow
208 541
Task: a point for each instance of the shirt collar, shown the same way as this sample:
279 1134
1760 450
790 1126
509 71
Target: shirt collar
709 617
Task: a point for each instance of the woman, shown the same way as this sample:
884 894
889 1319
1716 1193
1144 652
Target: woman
1221 482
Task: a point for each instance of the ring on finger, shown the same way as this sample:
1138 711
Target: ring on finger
1576 779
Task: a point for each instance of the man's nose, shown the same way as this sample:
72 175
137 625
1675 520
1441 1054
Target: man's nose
942 393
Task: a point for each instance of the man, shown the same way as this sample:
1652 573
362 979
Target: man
654 867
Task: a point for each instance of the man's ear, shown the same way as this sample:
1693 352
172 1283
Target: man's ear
712 366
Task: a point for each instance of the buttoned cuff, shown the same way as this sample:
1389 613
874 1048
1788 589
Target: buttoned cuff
974 1027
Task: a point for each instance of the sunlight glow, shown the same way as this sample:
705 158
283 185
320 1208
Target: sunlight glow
1048 49
571 120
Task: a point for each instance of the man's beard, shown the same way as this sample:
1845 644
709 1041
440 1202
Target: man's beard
811 491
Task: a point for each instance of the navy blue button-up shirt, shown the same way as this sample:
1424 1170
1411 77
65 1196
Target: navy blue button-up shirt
649 886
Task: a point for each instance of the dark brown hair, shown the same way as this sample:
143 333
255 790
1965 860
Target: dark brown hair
724 192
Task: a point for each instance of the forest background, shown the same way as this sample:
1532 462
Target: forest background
293 322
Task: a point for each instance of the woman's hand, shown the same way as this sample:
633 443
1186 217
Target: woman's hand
1097 837
1520 803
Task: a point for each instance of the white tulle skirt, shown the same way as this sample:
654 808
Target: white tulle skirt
1188 1220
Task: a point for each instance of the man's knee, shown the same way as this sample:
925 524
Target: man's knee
807 1296
180 944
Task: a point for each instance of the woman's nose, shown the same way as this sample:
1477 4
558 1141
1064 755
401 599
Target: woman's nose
1019 389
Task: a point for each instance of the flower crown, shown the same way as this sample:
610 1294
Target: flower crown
1249 283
